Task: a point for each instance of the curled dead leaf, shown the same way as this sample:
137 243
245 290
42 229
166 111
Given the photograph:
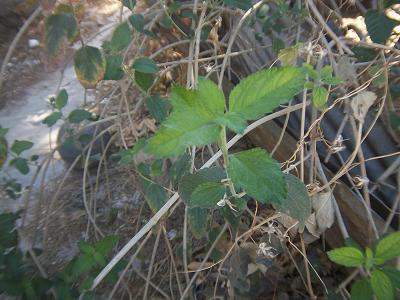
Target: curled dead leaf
361 103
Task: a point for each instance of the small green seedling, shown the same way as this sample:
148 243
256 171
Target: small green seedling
381 280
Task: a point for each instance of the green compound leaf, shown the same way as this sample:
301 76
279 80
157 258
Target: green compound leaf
120 39
361 290
388 248
157 107
192 121
379 26
79 115
258 175
262 92
198 220
90 66
52 119
382 286
114 68
297 204
192 182
347 256
20 146
145 65
57 27
319 96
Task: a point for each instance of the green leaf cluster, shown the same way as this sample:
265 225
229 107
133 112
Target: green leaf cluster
319 92
383 280
198 115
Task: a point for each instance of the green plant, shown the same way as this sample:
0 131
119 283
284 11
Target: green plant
18 276
199 117
381 280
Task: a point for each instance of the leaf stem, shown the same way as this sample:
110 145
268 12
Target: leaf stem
224 150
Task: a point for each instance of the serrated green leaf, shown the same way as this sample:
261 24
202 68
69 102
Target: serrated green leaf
20 146
121 38
192 121
346 256
265 90
233 121
155 196
89 65
114 68
309 70
258 175
207 195
144 80
106 244
394 276
145 65
52 119
179 168
198 219
137 22
361 290
388 247
190 182
57 27
379 26
332 81
319 96
79 115
382 286
61 99
157 107
326 72
297 203
242 4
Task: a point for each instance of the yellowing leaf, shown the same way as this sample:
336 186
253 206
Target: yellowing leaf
89 65
59 26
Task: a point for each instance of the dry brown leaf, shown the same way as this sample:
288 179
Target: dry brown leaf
361 103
